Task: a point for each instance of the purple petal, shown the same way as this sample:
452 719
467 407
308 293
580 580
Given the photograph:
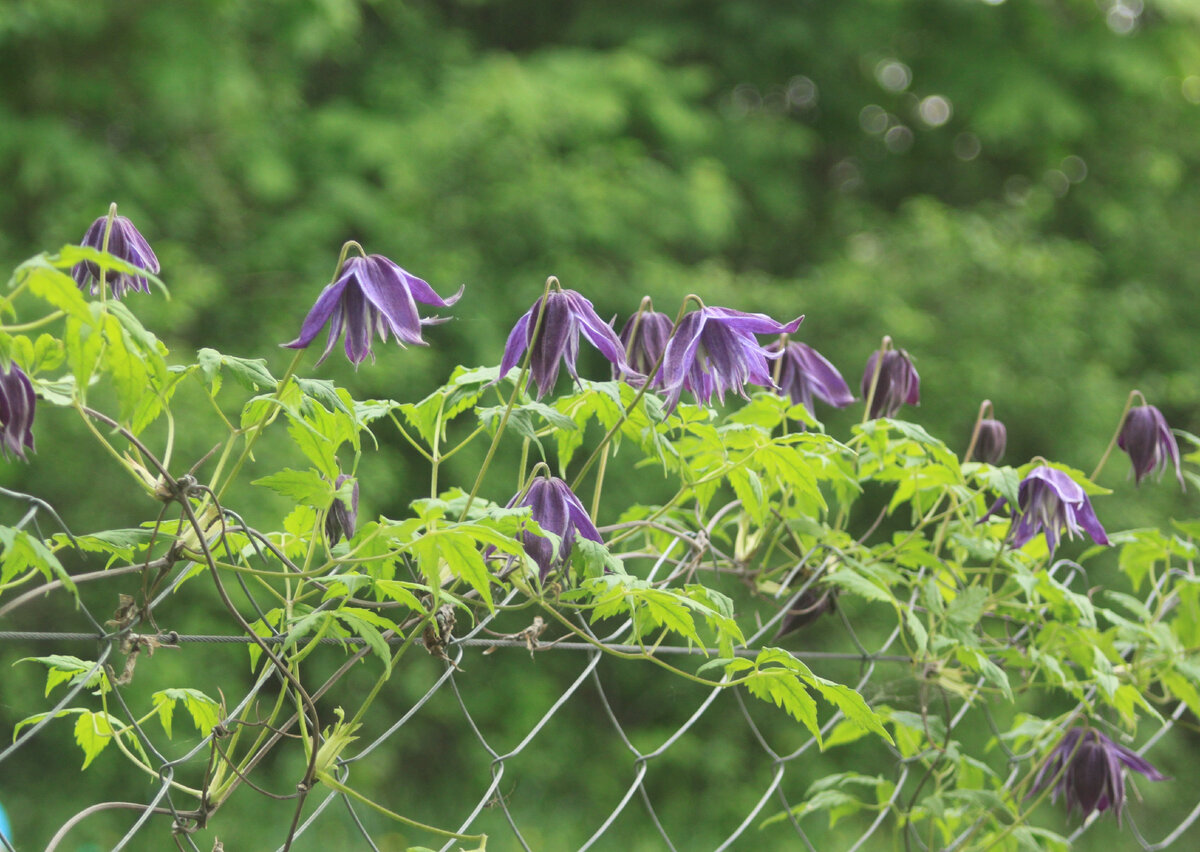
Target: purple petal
383 287
325 305
518 342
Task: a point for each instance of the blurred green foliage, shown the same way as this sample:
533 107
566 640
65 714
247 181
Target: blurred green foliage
1004 188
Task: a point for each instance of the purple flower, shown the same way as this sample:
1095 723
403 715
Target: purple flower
557 510
567 313
714 350
340 521
16 412
991 441
645 338
1091 765
1048 501
898 383
805 373
370 295
1149 442
124 242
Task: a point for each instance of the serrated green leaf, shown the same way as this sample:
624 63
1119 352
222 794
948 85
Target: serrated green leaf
306 487
93 733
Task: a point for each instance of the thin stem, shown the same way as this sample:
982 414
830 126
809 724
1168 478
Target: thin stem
1117 434
512 400
29 326
884 346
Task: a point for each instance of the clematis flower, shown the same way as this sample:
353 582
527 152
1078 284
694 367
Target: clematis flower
805 373
340 521
1149 442
16 412
1048 501
898 383
714 350
370 295
991 441
566 315
1092 772
124 242
644 338
557 510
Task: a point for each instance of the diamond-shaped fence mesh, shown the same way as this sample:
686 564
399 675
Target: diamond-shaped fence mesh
505 730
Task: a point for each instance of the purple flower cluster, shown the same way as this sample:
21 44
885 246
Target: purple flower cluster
1087 769
124 242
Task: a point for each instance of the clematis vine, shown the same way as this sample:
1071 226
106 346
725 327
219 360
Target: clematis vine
557 510
1050 500
17 403
371 295
555 339
1147 438
991 441
896 383
342 517
803 373
715 350
123 241
1090 772
645 338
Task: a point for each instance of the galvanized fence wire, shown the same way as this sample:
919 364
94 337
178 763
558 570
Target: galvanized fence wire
592 680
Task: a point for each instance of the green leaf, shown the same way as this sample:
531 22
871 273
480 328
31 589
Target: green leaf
23 552
62 668
366 625
785 689
93 733
205 712
853 707
251 373
53 286
455 553
306 487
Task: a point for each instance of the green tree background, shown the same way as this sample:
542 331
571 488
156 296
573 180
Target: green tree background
1005 188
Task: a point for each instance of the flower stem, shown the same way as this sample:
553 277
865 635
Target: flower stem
512 400
884 346
1117 434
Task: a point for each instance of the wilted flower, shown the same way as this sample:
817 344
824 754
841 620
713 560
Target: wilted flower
16 412
567 313
124 242
1050 500
1092 772
1149 442
342 517
644 339
714 350
898 383
991 441
557 510
804 373
370 295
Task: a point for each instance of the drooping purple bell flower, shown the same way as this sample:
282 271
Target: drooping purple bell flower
715 350
898 383
1049 500
645 338
371 295
17 403
124 242
557 510
566 315
804 373
1147 438
1092 772
991 441
342 517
